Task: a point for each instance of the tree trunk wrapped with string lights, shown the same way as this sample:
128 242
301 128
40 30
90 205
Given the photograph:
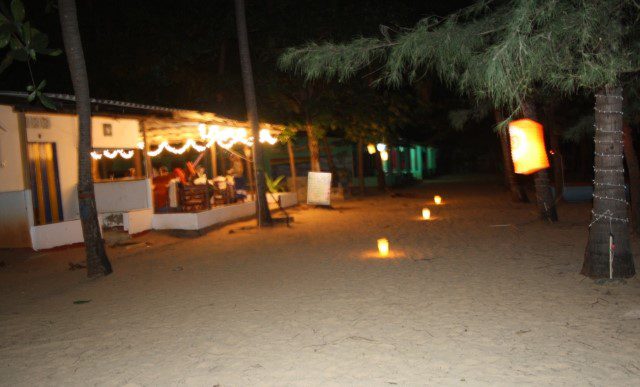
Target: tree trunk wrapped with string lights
608 253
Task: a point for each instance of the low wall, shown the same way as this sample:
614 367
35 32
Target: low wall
287 199
14 219
123 195
203 219
52 235
138 221
216 215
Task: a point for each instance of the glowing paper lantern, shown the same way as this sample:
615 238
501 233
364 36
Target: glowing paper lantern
371 149
383 247
384 155
426 213
528 151
437 199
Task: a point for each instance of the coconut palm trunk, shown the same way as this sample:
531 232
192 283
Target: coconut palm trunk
262 208
609 214
97 261
544 196
314 148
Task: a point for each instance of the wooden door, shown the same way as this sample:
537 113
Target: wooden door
45 183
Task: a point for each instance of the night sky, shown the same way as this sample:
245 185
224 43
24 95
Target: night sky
185 55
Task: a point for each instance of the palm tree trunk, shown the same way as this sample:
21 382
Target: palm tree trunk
292 167
609 213
97 261
634 175
544 196
262 208
516 190
314 148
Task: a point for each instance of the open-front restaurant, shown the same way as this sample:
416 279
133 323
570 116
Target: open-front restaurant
153 168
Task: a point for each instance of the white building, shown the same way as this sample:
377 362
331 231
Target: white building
39 169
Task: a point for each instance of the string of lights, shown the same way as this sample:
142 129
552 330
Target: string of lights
225 137
610 96
125 154
608 141
607 215
608 154
608 184
596 196
609 111
607 170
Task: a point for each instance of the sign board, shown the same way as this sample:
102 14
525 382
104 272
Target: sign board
319 188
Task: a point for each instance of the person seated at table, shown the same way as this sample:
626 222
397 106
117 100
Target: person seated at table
179 173
201 176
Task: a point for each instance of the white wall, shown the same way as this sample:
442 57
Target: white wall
125 132
10 151
63 131
204 219
138 221
216 215
52 235
14 219
123 195
287 199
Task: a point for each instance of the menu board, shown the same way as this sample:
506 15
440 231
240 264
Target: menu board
319 188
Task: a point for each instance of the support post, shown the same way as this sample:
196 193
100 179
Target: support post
214 160
292 167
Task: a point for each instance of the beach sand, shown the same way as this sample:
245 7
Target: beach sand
483 294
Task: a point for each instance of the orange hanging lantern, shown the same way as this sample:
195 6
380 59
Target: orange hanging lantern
528 151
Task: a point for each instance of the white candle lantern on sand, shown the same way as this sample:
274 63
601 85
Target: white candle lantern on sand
437 199
383 247
426 213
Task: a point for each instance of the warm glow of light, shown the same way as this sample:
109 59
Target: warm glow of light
384 155
437 199
381 147
371 149
426 213
528 150
383 247
112 154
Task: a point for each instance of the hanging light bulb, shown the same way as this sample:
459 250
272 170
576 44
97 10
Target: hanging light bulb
371 149
381 147
384 155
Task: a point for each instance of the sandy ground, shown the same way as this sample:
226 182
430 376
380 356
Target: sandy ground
484 294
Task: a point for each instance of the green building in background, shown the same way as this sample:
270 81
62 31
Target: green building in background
406 163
